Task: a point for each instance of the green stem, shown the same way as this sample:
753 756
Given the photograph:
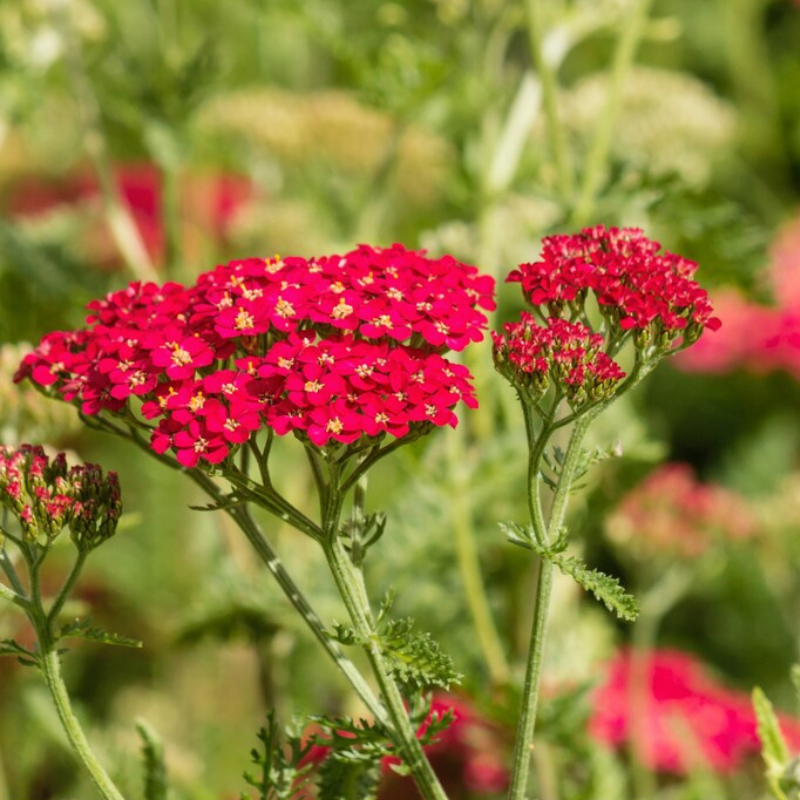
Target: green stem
252 531
120 222
601 142
470 569
555 130
171 214
544 585
63 594
350 584
51 669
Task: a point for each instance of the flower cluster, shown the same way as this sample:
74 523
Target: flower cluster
566 353
685 719
672 513
637 287
48 495
330 348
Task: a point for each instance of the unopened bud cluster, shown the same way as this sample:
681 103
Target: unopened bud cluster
567 354
47 495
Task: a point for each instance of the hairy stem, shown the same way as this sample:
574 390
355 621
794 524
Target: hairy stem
544 585
349 581
252 531
51 670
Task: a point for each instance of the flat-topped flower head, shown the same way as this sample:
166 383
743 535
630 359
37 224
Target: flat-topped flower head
638 288
47 495
566 354
331 348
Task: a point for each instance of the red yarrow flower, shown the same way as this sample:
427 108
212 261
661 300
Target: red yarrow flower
637 287
331 348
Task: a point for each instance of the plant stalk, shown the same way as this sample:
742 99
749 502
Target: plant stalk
544 585
51 670
350 583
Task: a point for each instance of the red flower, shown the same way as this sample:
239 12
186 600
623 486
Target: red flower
267 342
685 719
636 287
532 355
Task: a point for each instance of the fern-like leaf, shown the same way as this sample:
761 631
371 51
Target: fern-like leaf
773 745
155 768
83 628
415 658
282 776
607 589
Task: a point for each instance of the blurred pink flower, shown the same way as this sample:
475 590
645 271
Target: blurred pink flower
685 718
671 512
757 338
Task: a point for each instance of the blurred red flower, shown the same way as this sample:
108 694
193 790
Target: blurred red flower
682 719
208 204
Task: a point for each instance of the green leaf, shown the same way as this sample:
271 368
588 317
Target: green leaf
155 768
340 779
416 660
344 634
773 745
604 587
85 630
282 777
8 647
351 771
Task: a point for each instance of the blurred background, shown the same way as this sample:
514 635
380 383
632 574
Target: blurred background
154 139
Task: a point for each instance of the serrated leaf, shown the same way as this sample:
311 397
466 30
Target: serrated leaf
283 775
415 659
340 779
607 589
352 768
8 647
773 745
155 768
604 587
344 634
85 630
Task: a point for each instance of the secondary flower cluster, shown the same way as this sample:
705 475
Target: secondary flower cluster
331 348
642 294
568 353
48 495
637 287
672 513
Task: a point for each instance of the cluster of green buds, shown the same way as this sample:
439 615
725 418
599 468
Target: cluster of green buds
47 495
